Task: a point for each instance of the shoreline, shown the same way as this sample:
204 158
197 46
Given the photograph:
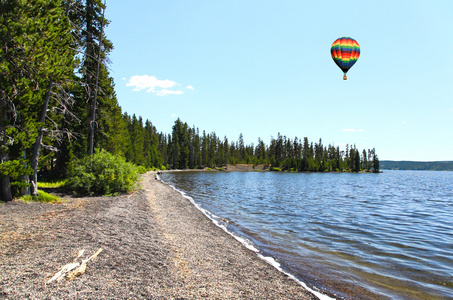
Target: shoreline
156 245
247 243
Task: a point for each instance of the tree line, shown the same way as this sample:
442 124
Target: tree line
188 148
417 165
58 104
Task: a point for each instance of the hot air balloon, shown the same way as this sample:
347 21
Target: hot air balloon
345 52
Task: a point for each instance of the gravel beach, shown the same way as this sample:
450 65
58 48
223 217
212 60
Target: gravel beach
155 245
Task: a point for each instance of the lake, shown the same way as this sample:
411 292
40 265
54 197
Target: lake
369 236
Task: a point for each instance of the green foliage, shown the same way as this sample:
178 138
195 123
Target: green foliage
52 184
141 169
42 197
15 168
275 169
102 174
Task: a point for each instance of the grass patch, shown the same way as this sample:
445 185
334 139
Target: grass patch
42 197
51 184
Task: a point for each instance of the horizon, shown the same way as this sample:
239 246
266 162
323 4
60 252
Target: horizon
261 69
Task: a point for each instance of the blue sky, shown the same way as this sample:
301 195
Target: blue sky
264 67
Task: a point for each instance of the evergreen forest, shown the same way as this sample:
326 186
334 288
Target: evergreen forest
58 104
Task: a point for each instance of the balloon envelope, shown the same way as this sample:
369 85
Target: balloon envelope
345 52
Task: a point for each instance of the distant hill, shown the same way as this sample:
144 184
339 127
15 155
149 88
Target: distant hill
416 165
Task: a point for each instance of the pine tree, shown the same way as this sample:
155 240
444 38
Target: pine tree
151 143
226 151
241 148
95 46
375 160
137 135
364 160
35 54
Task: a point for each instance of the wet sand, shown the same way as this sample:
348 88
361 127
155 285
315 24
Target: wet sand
156 245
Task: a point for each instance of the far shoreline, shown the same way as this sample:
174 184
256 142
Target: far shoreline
256 168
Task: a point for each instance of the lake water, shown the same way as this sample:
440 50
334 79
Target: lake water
369 236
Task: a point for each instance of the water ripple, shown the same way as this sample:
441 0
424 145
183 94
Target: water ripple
368 235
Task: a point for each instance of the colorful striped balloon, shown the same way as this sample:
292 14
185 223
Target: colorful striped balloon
345 52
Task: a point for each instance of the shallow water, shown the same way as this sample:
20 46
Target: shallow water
387 235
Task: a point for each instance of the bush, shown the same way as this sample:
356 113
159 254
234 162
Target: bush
102 174
276 169
141 169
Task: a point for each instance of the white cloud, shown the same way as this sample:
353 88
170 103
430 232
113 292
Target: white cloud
189 87
174 115
153 85
353 130
149 82
404 122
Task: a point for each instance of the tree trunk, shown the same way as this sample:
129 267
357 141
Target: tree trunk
93 118
5 186
25 190
37 146
5 192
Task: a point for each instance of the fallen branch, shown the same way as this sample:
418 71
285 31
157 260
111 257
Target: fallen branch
83 266
74 269
65 270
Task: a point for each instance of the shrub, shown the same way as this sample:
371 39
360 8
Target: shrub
276 169
102 174
141 169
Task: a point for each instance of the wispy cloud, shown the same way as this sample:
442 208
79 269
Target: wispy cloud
153 85
189 87
353 130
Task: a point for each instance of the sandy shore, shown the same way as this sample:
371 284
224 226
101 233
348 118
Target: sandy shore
156 245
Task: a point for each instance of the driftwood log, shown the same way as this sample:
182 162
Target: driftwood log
74 269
